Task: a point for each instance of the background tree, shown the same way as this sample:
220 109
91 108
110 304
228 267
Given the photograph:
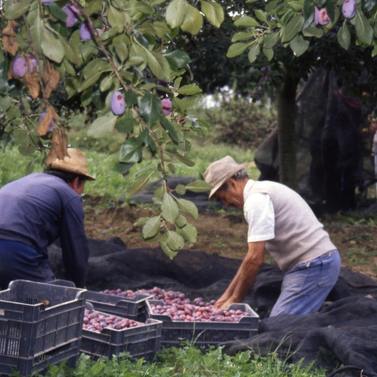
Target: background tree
294 37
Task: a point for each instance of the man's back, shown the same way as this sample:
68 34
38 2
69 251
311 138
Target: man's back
32 207
299 235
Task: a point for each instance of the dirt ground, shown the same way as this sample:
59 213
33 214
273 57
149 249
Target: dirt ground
224 233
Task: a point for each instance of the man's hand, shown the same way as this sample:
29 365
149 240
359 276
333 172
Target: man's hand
224 303
245 276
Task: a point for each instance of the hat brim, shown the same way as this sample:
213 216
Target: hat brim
223 180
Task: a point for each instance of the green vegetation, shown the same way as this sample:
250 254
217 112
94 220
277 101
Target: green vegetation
189 362
110 183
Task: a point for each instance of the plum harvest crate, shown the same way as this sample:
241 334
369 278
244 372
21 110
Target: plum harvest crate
204 333
141 341
135 308
40 324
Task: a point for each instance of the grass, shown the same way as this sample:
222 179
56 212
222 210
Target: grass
190 362
110 182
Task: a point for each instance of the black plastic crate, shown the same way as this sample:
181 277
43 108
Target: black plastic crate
68 353
140 341
135 308
204 333
36 319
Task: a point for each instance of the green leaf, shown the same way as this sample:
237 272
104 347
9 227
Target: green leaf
102 125
14 9
260 15
213 12
237 49
344 36
167 250
125 123
175 13
178 59
116 19
151 227
364 31
189 90
158 65
193 21
270 40
130 152
253 53
268 53
188 207
174 241
120 44
246 21
170 130
57 12
140 182
169 208
308 8
313 31
299 45
242 36
94 67
180 189
292 28
51 46
131 98
189 233
150 108
36 30
106 83
181 221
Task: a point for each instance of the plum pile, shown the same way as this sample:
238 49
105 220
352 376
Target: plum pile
180 308
97 321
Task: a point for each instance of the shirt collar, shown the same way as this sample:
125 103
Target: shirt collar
250 183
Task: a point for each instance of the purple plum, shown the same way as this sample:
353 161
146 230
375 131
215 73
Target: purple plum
48 2
72 12
166 106
321 16
349 8
118 104
85 34
19 66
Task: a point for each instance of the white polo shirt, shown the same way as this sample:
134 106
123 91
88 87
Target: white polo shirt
259 214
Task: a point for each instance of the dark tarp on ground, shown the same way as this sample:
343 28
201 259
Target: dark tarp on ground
344 331
333 155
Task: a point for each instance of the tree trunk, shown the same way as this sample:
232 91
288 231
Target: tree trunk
286 131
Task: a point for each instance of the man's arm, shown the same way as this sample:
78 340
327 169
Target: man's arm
245 276
74 242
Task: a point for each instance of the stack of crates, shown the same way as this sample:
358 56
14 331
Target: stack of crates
40 324
142 341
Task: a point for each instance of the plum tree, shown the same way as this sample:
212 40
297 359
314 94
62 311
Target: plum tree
108 65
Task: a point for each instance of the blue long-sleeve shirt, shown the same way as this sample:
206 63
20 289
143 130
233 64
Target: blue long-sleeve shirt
39 208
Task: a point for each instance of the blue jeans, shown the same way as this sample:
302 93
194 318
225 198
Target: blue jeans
307 284
21 261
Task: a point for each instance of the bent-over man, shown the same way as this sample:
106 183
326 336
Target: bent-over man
35 211
281 222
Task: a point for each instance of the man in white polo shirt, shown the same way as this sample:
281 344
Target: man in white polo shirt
281 222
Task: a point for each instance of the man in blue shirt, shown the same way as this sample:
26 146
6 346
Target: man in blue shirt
38 209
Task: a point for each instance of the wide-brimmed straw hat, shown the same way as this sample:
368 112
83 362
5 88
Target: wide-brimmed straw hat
220 171
75 162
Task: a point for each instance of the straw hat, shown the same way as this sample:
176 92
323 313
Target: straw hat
75 162
220 171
